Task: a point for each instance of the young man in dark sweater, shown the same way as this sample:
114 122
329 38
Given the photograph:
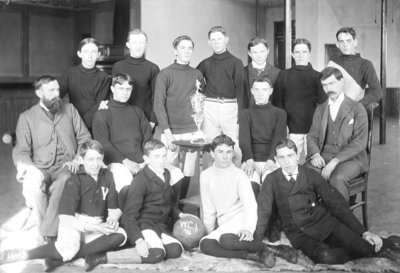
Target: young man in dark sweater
123 130
172 106
85 84
259 66
225 89
358 73
260 128
142 71
298 90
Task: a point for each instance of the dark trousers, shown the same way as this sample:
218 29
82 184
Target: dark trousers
342 245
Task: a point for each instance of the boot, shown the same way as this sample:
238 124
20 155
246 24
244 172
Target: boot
91 261
50 264
283 251
13 255
265 257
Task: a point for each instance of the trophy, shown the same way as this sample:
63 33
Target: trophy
197 101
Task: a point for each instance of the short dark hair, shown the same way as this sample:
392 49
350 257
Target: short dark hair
329 71
181 38
120 78
136 31
152 145
88 41
348 30
256 41
301 41
43 80
262 79
288 143
220 140
91 145
217 29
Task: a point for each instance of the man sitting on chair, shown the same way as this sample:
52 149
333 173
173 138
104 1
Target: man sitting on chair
337 140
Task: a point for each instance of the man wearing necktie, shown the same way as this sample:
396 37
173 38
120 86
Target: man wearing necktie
316 219
337 140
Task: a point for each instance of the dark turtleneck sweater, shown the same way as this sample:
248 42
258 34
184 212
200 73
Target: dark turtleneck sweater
86 88
298 91
143 73
174 86
363 73
225 77
261 127
123 130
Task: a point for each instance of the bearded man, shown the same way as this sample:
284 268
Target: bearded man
48 137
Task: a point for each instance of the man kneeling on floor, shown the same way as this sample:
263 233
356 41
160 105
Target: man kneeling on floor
316 217
228 200
88 196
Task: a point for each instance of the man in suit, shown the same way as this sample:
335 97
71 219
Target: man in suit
48 137
337 140
326 231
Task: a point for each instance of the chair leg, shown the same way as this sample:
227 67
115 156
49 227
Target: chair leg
364 209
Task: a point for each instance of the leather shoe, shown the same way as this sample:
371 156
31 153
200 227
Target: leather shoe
284 251
265 257
13 255
91 261
395 241
50 264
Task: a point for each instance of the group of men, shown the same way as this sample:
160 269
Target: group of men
247 111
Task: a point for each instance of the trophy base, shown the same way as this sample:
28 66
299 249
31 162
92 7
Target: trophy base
198 138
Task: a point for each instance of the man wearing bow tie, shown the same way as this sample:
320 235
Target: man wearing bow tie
337 140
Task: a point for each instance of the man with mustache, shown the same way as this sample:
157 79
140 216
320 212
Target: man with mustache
337 140
48 137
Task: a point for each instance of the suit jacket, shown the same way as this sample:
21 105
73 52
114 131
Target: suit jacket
299 208
37 135
148 204
353 131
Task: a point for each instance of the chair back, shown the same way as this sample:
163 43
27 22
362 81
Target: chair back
370 114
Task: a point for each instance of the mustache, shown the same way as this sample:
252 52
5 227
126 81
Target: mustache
330 93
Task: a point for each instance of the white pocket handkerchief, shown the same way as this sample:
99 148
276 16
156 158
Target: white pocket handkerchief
351 121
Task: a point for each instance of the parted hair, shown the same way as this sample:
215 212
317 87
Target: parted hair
220 140
120 78
301 41
88 41
262 79
217 29
43 80
348 30
256 41
181 38
152 145
329 71
136 31
288 143
91 145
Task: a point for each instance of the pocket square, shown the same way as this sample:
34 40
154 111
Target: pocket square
351 121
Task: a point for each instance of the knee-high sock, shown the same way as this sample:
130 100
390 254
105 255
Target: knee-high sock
231 241
45 251
213 248
124 256
101 244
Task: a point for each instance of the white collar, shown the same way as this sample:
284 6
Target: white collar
159 174
43 106
337 102
256 66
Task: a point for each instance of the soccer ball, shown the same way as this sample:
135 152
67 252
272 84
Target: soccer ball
189 230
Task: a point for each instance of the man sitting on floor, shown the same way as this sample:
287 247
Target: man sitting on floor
315 216
228 201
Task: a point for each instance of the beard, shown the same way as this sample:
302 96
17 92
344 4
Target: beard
53 105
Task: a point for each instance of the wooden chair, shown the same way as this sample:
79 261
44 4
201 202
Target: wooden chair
359 185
